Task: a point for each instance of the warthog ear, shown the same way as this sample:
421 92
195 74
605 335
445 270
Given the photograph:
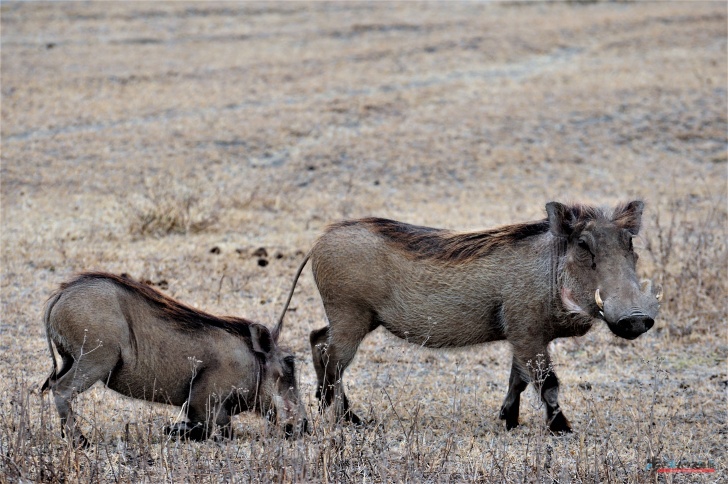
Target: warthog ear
561 219
629 216
261 339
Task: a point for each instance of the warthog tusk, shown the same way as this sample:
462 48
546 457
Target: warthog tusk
598 299
658 296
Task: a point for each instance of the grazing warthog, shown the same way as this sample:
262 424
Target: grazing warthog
146 345
526 283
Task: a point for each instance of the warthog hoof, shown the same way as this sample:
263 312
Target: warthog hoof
350 418
353 419
559 425
511 425
510 416
184 431
291 431
80 441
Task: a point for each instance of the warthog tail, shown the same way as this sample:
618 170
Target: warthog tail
279 325
46 320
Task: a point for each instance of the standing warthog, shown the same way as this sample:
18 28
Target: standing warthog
526 283
146 345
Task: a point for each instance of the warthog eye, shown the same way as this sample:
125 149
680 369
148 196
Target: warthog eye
584 245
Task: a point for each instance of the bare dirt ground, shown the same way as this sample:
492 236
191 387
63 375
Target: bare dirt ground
171 141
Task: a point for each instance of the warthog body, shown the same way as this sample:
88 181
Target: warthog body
146 345
527 283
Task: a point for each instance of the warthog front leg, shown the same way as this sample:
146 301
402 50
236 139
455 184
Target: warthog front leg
511 405
539 370
554 416
205 411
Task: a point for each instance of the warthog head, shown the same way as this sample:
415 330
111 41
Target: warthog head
598 277
279 395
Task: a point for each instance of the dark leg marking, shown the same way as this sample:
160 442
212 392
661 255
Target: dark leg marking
516 386
319 340
328 376
555 418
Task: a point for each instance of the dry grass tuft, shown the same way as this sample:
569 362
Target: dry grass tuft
170 208
690 256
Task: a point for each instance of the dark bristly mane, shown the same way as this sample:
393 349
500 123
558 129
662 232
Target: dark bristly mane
446 246
187 318
578 216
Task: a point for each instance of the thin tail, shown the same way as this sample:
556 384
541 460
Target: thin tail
279 325
46 320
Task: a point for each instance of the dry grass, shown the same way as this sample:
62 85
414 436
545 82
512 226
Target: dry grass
169 209
688 250
138 137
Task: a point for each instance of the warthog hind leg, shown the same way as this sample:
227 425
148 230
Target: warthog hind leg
75 377
319 340
330 359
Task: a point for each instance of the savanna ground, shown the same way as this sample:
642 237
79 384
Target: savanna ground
171 141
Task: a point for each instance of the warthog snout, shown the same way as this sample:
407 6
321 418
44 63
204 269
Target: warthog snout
629 320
